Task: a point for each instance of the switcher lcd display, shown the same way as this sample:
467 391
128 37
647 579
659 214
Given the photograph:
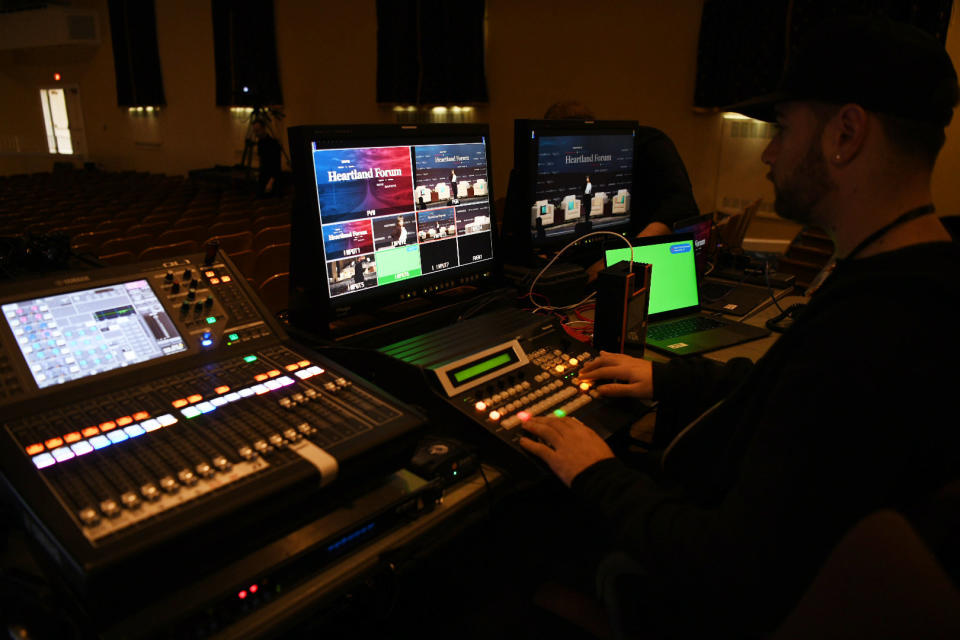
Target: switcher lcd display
82 333
396 213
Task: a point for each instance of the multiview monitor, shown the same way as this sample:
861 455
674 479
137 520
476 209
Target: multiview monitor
571 177
387 212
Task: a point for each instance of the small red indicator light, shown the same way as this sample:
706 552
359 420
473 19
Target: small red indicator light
242 594
56 77
253 588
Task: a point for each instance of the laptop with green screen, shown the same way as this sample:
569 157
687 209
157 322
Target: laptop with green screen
677 324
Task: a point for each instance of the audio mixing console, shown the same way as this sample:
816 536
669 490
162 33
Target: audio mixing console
142 403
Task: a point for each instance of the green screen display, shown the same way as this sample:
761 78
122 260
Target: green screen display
673 274
482 367
398 263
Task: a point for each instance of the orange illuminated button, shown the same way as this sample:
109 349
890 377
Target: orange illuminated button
292 367
481 405
584 386
194 398
141 415
182 402
273 373
260 377
53 443
560 368
73 436
124 421
209 274
34 449
89 432
494 415
226 278
108 425
222 389
573 362
304 363
214 280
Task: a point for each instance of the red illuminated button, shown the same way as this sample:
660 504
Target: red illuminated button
182 402
524 416
222 389
73 436
89 432
141 415
108 425
124 421
254 588
292 367
260 377
273 373
194 398
34 449
53 443
242 594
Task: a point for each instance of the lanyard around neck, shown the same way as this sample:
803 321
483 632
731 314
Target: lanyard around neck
882 231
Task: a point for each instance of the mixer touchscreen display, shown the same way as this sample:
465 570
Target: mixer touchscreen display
74 335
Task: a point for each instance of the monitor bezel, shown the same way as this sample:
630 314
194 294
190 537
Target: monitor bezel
310 302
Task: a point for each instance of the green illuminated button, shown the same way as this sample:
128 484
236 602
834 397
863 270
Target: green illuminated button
560 413
233 336
249 358
211 319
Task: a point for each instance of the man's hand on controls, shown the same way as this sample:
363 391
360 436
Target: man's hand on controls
635 375
568 446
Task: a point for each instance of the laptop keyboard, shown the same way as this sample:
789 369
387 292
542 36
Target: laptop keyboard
681 327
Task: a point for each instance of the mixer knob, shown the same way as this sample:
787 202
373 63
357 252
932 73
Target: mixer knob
291 435
298 397
261 446
150 492
304 428
186 477
89 516
276 440
208 302
221 463
175 287
198 307
194 283
191 294
169 276
310 393
184 306
246 453
187 273
204 470
168 484
343 382
286 403
130 500
110 508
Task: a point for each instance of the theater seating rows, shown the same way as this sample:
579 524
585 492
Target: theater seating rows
123 217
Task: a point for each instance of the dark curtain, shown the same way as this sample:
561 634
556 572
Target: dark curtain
136 58
245 53
430 51
744 44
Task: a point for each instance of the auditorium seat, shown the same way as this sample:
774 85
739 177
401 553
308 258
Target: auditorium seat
270 220
243 260
121 257
190 219
90 241
233 242
271 235
229 227
196 232
169 250
134 244
275 292
155 228
274 258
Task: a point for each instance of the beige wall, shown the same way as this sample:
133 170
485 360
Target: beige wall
635 60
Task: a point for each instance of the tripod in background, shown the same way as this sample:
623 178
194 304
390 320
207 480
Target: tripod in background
266 115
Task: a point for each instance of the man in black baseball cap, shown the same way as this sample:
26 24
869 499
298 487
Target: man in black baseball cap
758 470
